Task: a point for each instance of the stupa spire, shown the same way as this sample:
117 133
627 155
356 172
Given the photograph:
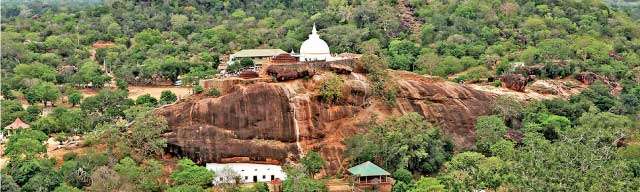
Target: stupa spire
314 31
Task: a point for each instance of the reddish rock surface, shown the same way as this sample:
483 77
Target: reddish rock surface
587 77
284 73
254 121
248 74
260 121
515 82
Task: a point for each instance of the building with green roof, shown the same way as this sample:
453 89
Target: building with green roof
369 176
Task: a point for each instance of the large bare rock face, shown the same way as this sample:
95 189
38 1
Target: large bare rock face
255 121
278 121
453 107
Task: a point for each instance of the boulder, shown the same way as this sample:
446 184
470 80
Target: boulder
515 82
544 87
248 74
586 77
289 72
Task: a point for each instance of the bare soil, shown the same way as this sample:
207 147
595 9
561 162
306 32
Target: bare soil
155 91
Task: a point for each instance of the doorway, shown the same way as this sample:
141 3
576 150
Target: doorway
255 178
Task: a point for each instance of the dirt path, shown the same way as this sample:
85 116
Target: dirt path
155 91
338 185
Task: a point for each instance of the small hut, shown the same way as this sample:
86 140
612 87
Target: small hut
17 124
369 176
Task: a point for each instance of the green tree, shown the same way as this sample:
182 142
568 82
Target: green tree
34 71
142 177
403 54
471 171
145 139
188 173
147 38
45 180
554 49
428 184
186 188
66 188
90 73
46 92
25 144
8 184
403 175
297 180
489 130
11 109
106 105
75 98
242 64
312 163
407 142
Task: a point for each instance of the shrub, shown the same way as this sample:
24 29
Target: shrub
167 97
146 100
198 89
69 156
213 92
497 83
382 87
331 89
122 84
475 74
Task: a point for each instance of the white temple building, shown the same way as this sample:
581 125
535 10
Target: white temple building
245 172
314 48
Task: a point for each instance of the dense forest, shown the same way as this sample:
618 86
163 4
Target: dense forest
590 142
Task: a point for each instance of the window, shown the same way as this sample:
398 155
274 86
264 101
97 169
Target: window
221 179
264 176
246 178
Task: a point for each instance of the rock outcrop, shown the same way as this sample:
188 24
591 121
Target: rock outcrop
275 122
544 87
586 77
254 121
516 82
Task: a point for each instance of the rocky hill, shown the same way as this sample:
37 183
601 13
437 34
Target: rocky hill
275 122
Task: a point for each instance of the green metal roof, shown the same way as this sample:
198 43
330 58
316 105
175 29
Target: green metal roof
367 169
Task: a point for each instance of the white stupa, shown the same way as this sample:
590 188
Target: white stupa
314 48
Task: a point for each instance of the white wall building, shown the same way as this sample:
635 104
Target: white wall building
245 172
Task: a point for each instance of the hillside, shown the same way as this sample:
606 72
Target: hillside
460 95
